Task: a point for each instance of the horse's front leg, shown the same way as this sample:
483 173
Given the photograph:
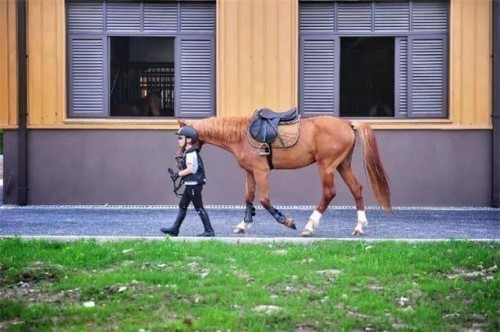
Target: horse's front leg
328 194
246 224
262 182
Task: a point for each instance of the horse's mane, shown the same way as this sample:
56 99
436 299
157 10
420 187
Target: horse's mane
230 129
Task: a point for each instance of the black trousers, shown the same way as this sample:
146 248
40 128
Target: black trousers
192 194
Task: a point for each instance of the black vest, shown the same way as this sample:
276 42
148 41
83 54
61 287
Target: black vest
199 176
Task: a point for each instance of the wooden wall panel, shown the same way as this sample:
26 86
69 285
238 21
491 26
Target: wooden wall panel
8 64
256 55
46 63
484 60
470 63
257 61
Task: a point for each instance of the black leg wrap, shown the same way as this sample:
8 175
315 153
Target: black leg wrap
277 215
249 213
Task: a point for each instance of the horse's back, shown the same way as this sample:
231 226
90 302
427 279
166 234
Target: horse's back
336 129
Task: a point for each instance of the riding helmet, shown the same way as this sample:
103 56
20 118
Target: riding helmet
189 132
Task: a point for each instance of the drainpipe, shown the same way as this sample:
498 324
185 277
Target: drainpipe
22 140
495 194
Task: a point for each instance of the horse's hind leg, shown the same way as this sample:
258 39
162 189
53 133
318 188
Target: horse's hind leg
356 189
245 225
329 192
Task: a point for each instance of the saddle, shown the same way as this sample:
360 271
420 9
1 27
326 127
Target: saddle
264 127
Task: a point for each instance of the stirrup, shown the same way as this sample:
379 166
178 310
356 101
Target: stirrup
264 149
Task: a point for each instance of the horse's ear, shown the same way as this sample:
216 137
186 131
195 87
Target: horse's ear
182 122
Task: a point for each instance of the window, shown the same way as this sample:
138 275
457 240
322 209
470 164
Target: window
141 59
367 76
374 58
141 76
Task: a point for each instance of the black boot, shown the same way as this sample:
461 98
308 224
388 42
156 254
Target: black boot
174 230
209 231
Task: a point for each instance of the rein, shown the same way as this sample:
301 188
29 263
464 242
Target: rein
180 181
177 183
177 187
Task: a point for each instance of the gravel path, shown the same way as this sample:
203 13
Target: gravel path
140 221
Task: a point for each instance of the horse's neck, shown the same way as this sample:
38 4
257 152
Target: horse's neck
231 140
228 146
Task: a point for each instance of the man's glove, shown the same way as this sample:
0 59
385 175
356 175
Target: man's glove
174 175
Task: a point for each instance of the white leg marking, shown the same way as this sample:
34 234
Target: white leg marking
312 224
242 227
362 221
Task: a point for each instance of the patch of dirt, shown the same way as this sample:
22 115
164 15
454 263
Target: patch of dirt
377 288
9 323
34 273
267 309
306 327
484 274
32 293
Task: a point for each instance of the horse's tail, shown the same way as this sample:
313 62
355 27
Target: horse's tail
373 165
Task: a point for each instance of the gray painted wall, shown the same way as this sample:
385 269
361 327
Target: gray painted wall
425 168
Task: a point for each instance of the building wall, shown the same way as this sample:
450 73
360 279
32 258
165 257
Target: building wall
124 161
8 64
453 168
256 55
46 46
256 65
471 63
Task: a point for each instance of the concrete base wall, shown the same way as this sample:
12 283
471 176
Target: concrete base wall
425 168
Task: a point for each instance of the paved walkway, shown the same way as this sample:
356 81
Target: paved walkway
116 222
337 223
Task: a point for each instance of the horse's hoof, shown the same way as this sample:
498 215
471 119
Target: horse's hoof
357 232
307 233
238 230
289 223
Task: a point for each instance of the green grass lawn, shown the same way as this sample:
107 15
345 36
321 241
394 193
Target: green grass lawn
214 286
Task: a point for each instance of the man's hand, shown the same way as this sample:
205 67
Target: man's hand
174 175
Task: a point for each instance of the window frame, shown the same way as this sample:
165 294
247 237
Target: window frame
96 27
320 20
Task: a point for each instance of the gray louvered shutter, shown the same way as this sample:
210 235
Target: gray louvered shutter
392 16
354 16
160 17
427 76
123 16
319 73
195 76
197 17
88 77
430 15
85 16
317 17
401 77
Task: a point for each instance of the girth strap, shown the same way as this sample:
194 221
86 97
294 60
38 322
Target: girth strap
269 157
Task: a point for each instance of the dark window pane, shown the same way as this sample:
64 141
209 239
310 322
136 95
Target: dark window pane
142 76
367 77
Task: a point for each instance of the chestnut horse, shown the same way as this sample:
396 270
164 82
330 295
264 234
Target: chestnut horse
325 140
